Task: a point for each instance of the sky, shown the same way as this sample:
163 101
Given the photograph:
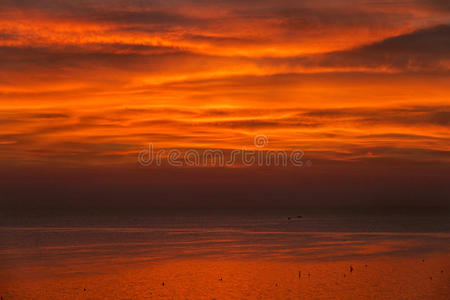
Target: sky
360 86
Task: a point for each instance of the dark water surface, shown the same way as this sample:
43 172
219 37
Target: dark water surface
47 245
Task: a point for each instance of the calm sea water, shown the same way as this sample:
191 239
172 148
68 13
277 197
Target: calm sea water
54 245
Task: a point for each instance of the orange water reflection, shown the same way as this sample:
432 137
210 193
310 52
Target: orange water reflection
418 276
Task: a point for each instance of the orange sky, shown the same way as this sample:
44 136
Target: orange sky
92 82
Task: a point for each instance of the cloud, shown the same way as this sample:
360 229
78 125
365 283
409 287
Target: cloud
422 50
437 5
405 53
79 75
431 115
246 28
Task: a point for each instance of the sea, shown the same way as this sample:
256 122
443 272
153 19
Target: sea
221 253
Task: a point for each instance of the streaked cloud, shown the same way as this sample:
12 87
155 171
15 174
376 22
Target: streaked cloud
94 81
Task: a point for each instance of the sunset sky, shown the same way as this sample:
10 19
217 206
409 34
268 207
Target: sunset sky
362 87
